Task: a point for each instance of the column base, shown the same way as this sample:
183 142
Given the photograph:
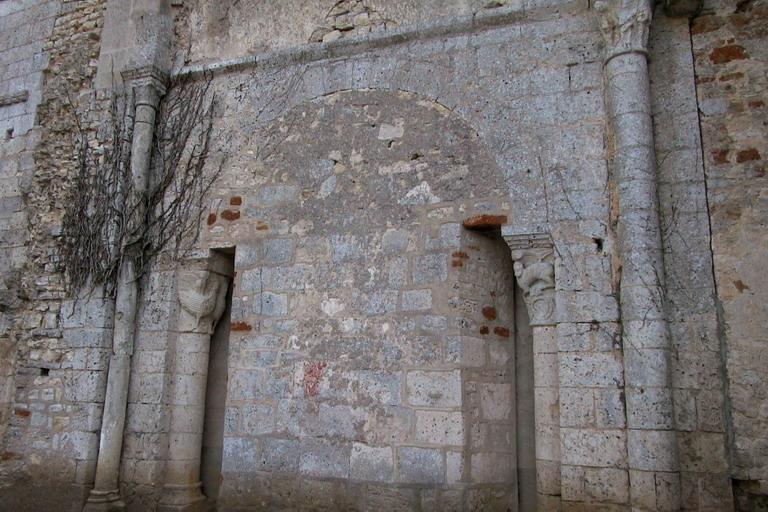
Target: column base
183 498
104 501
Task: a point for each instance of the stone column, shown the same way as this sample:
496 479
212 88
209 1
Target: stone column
651 438
202 294
148 86
534 269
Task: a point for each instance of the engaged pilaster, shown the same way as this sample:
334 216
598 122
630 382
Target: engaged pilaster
651 438
202 294
148 87
533 260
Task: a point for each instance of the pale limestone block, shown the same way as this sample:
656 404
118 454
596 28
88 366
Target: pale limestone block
434 388
491 467
496 401
596 448
437 427
370 463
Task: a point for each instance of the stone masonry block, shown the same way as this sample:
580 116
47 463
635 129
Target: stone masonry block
496 401
591 369
431 268
240 455
370 463
281 455
323 458
258 419
270 304
420 466
416 300
652 450
491 467
434 388
438 427
596 448
649 408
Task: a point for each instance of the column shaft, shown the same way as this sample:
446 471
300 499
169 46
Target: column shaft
651 437
106 494
202 295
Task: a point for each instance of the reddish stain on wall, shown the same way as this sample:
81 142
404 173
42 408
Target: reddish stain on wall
747 155
313 374
240 326
230 215
727 53
489 312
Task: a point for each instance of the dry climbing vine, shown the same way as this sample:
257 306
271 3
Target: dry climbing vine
107 220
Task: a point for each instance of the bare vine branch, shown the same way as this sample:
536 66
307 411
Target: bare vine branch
107 220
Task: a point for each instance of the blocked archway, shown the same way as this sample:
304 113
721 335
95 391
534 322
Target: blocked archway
362 356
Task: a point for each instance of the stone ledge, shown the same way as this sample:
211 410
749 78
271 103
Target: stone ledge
12 99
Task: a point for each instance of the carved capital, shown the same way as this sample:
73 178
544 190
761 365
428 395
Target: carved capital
535 272
624 25
147 82
202 295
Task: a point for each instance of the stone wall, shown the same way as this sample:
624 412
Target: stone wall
229 29
698 372
730 52
23 59
360 351
378 344
523 100
51 438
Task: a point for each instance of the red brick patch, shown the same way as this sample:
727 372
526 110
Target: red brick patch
489 312
720 156
501 332
240 326
211 219
484 222
313 374
484 330
727 53
230 215
235 201
747 155
739 284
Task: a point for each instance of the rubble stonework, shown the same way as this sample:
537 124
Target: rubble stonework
466 255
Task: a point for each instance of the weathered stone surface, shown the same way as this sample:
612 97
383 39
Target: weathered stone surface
374 354
420 465
434 388
370 463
